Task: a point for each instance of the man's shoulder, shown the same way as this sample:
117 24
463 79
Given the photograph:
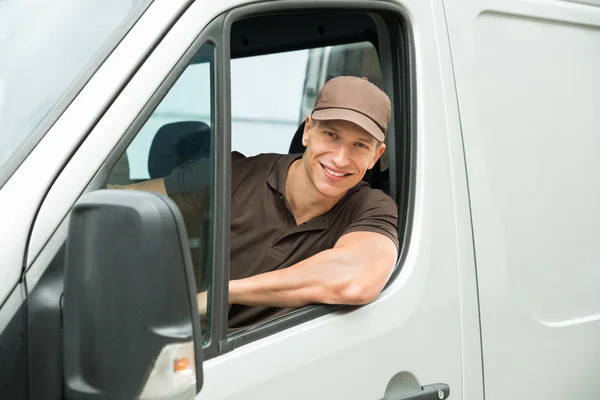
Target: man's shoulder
371 210
238 158
364 197
257 164
364 191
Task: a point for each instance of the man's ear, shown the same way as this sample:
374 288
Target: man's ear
378 154
307 126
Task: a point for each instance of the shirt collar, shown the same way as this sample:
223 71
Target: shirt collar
278 174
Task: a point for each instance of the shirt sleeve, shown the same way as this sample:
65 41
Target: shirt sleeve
375 212
189 185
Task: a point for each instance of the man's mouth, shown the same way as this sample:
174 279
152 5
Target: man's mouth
334 174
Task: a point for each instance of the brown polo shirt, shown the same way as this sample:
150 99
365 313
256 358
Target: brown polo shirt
264 234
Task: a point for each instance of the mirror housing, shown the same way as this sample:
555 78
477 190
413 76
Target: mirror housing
130 317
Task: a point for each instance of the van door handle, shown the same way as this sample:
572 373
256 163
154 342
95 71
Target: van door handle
438 391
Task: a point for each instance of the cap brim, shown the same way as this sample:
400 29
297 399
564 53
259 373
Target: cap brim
357 118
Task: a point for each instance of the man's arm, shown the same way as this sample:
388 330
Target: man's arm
353 272
154 185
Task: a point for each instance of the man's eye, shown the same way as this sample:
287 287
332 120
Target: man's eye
362 145
330 134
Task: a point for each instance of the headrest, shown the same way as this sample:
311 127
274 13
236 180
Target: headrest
296 147
176 143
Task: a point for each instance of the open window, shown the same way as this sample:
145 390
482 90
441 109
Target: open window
280 57
273 93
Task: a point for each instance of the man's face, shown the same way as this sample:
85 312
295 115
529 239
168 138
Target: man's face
338 154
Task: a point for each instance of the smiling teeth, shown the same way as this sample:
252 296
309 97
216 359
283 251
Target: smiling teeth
333 173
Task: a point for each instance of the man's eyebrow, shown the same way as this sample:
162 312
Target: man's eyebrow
329 126
366 138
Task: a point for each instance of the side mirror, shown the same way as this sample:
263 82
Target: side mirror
131 323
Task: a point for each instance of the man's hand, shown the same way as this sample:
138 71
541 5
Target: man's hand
353 272
202 301
154 185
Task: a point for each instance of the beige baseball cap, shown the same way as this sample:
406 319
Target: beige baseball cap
355 100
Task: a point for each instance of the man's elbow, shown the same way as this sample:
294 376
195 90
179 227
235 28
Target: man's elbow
357 293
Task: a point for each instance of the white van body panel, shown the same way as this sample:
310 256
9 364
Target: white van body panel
528 78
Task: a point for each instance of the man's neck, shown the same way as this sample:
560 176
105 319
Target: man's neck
305 201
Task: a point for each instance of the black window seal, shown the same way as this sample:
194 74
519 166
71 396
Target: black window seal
404 117
310 34
67 98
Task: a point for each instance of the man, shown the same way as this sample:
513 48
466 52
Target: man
304 227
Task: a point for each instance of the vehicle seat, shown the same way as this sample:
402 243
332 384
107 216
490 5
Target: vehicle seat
376 178
176 143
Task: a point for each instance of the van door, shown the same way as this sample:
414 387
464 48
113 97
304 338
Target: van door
527 78
423 329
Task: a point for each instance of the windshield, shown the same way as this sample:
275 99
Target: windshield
46 51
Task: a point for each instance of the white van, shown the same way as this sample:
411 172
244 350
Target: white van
492 157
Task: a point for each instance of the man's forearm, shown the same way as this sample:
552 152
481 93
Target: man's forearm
355 273
276 289
295 286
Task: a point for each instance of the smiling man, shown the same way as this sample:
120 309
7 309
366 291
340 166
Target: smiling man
305 228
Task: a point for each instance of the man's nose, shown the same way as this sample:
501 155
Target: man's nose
341 157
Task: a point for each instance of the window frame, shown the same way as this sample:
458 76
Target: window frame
400 75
